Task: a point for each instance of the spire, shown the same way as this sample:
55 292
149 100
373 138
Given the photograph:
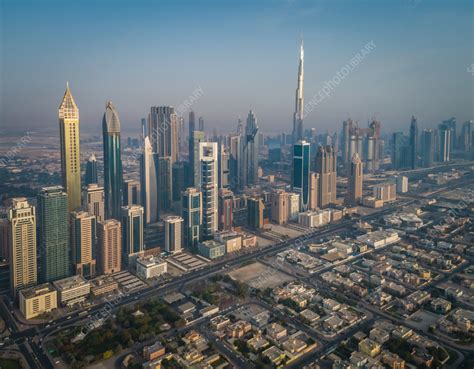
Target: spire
301 49
68 108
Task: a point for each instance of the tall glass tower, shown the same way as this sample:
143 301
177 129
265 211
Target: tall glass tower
112 162
91 171
301 166
53 218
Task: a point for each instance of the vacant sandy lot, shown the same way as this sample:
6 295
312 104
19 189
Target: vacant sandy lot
258 275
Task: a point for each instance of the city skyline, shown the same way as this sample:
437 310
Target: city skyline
391 83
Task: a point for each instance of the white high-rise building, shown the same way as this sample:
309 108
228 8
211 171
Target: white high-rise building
299 100
208 158
173 232
93 199
149 182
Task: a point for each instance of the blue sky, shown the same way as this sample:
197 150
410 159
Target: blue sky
243 54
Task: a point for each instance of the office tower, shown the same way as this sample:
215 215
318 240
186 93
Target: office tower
413 142
299 101
201 124
196 138
255 208
401 183
356 176
300 175
192 215
22 244
226 204
251 150
143 127
181 138
345 140
179 177
53 242
132 234
427 146
173 229
113 175
313 191
208 160
398 145
93 200
224 157
109 244
70 150
83 243
444 144
326 169
293 205
236 162
163 131
165 184
149 182
466 137
131 192
192 124
370 153
91 171
450 125
279 211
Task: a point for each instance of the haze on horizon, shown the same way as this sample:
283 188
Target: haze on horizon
243 55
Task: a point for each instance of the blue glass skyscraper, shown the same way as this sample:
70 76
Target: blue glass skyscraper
112 162
300 175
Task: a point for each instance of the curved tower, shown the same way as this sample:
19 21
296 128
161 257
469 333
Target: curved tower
299 101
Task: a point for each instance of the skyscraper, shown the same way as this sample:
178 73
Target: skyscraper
70 149
195 165
251 150
132 234
192 123
208 160
226 202
354 193
113 176
224 158
326 169
131 192
255 208
163 131
149 182
83 243
165 184
93 201
413 142
109 237
444 144
22 244
299 100
279 201
173 230
53 218
236 162
201 124
180 177
313 190
345 140
427 146
300 176
91 170
192 214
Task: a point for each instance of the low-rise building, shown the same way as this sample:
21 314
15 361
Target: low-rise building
72 290
103 285
211 249
37 300
369 347
151 267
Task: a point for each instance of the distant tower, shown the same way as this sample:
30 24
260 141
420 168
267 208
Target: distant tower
192 214
91 170
70 149
299 101
109 237
173 231
163 131
236 162
192 123
427 146
301 167
413 142
208 160
132 234
326 169
83 243
93 201
251 150
201 124
444 144
113 176
22 245
354 194
53 219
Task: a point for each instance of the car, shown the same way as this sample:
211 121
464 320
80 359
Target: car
69 317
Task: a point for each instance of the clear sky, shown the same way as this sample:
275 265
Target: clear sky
243 54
